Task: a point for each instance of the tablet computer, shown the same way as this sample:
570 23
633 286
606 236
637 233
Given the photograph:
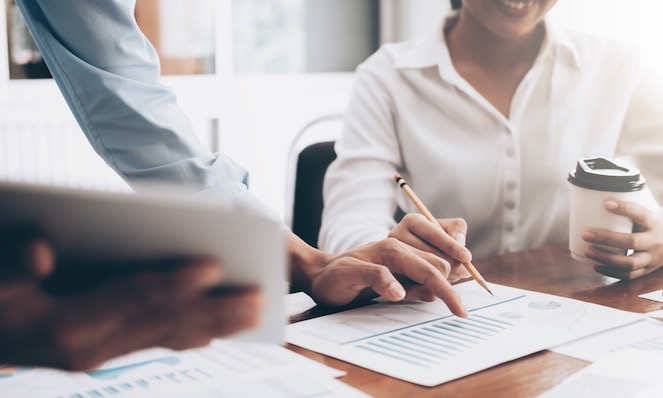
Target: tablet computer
95 229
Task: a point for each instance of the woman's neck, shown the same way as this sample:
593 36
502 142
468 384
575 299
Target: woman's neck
468 40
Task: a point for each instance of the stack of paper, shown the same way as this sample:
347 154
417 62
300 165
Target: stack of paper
226 369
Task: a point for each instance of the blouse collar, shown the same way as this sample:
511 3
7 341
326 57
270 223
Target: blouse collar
431 49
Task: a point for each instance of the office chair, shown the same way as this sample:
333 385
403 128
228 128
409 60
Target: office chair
312 164
311 153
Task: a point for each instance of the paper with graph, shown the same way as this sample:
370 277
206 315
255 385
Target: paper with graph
424 343
224 370
645 335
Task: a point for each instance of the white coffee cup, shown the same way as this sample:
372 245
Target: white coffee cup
594 181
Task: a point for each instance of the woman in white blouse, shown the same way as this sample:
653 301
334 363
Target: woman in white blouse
484 118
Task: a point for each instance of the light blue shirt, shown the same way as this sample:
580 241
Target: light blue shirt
109 74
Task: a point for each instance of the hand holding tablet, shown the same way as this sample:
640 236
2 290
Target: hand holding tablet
93 231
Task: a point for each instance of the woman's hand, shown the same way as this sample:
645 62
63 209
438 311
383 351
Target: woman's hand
446 241
646 241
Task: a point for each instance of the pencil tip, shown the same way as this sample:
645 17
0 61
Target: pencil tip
397 177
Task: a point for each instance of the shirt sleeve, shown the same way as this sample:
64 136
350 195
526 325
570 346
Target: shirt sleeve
359 189
642 132
109 74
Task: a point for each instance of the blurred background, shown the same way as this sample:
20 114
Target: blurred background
251 75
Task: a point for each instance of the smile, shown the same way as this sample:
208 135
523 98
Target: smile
517 4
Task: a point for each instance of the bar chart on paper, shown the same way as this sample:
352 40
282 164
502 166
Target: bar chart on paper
223 370
437 342
425 344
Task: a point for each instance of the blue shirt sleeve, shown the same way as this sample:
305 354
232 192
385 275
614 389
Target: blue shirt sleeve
109 74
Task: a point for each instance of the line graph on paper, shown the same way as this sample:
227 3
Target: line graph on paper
425 343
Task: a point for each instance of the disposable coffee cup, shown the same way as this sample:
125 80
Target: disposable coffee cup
593 182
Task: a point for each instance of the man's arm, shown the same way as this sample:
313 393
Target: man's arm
109 75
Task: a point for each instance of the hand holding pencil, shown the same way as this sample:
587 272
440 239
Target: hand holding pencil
422 208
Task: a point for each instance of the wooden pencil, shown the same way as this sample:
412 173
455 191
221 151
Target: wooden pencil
422 208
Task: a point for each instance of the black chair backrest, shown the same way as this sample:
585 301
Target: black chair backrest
312 163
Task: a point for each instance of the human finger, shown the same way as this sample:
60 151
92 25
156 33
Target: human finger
406 236
192 323
419 293
622 274
637 212
403 261
619 262
347 278
405 232
439 263
131 297
436 236
129 313
112 327
376 277
456 228
451 272
198 275
636 240
229 314
458 272
188 279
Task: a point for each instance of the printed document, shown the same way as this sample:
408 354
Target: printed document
225 369
646 335
424 343
654 296
623 374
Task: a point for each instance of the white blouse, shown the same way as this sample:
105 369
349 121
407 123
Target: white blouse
412 113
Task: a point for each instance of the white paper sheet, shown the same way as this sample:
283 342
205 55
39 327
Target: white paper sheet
654 296
424 343
646 335
226 369
296 303
623 374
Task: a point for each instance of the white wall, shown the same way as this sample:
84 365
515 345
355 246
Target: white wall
637 22
336 34
407 19
264 115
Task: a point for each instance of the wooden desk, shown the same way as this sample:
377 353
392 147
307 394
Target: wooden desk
548 270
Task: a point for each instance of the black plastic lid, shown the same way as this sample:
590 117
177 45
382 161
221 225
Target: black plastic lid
606 175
